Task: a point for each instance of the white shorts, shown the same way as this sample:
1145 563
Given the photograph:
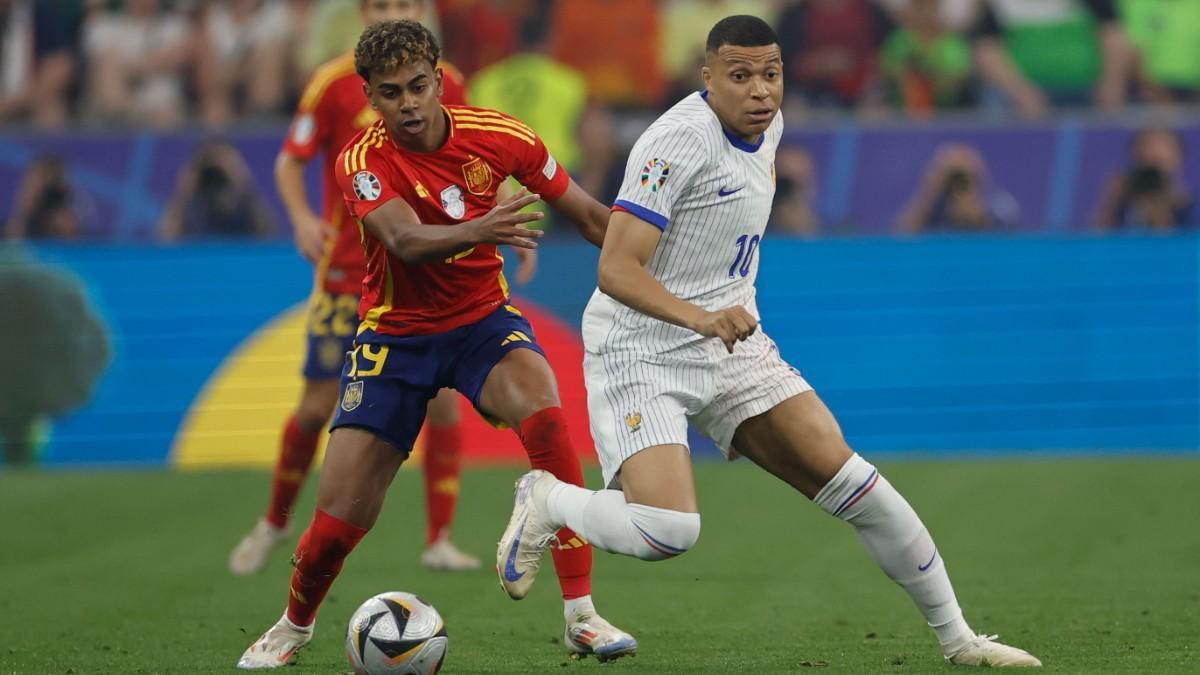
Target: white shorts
637 400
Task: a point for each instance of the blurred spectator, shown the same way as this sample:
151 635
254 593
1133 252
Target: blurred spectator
1150 194
614 43
243 60
333 27
47 205
552 98
1039 53
831 50
39 44
1167 36
136 60
216 196
686 24
925 63
955 196
481 32
548 96
793 211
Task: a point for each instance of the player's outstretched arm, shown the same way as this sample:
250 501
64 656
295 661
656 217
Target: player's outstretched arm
589 216
628 247
397 227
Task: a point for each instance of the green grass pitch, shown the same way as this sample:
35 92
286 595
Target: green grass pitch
1092 564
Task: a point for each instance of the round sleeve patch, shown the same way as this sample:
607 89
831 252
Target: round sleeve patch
366 186
655 173
303 129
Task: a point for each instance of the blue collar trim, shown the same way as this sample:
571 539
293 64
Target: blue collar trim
734 139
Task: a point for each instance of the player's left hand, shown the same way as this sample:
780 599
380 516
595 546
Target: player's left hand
527 262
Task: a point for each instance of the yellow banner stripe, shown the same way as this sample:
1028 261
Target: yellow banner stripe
510 123
528 139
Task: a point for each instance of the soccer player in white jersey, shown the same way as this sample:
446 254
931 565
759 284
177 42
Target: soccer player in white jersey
671 337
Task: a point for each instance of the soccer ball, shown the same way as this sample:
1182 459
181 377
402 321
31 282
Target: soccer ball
396 634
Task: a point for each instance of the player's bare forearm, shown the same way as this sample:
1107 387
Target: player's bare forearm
589 216
622 273
629 283
398 228
628 247
416 243
289 181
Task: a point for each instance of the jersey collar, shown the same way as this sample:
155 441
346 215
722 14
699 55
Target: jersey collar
734 139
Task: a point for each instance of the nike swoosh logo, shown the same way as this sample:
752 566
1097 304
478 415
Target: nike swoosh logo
511 574
725 193
931 559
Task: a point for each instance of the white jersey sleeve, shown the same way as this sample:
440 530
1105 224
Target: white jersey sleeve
664 163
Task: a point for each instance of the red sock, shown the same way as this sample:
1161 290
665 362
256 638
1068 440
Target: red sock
443 466
295 458
319 556
544 434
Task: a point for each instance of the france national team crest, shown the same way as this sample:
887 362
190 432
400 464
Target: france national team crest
655 173
366 186
634 421
452 202
478 176
353 396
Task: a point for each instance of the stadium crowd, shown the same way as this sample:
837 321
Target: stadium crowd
578 70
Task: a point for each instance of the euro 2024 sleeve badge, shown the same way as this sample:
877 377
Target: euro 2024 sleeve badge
655 173
366 186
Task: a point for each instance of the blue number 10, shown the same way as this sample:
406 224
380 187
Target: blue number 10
745 255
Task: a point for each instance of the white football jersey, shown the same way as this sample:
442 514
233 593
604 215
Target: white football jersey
710 193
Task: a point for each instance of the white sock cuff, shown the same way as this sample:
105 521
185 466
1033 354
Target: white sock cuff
856 477
668 533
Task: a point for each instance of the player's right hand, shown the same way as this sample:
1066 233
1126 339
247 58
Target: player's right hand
313 236
732 325
502 225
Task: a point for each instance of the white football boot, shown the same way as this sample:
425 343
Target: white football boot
252 552
444 556
528 535
983 650
589 633
277 647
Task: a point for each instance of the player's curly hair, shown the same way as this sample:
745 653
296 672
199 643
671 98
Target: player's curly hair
388 45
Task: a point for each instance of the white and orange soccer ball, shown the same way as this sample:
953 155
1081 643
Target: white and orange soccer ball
396 633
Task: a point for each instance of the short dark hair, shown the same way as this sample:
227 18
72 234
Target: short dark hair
741 30
388 45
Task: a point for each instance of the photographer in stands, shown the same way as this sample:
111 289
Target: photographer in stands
1150 194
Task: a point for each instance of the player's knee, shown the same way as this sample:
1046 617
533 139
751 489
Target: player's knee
663 533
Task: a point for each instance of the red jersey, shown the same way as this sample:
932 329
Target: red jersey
332 110
455 183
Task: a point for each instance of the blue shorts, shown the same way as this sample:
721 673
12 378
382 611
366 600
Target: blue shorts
332 320
388 380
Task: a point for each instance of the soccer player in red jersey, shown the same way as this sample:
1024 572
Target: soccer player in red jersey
422 185
332 110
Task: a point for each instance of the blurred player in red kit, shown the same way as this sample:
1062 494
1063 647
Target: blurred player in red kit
422 185
332 110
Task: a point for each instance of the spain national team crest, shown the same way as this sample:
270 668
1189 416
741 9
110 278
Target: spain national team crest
655 173
353 396
478 176
452 202
366 186
634 421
